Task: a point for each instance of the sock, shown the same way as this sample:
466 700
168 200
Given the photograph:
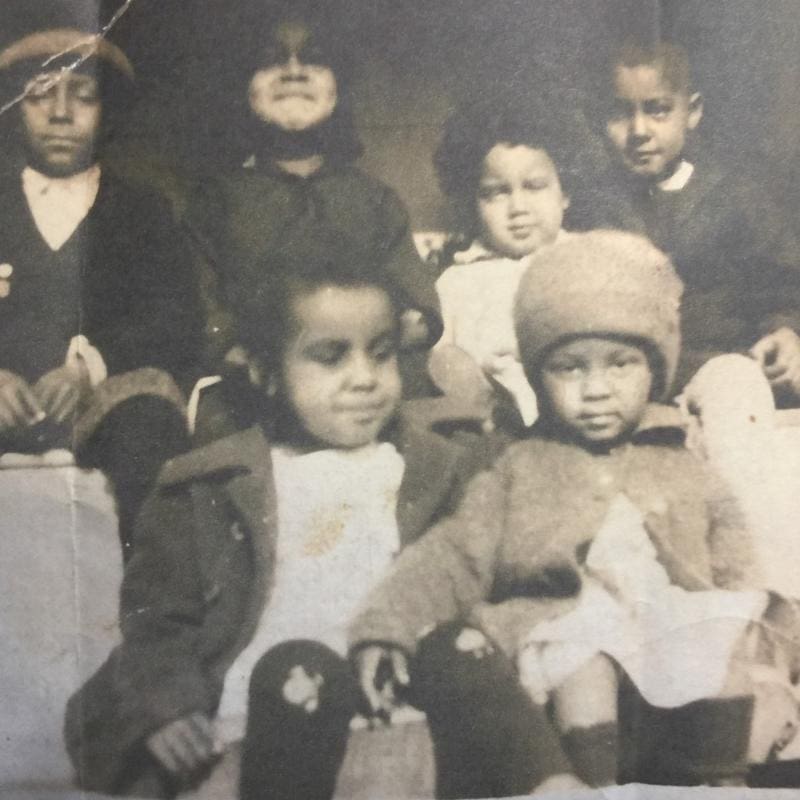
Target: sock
593 752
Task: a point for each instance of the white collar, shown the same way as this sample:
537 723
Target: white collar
59 205
678 179
478 251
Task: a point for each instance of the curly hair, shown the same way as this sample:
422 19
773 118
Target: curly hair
327 259
476 127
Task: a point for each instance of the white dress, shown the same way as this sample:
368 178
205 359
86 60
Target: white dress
337 536
477 300
675 645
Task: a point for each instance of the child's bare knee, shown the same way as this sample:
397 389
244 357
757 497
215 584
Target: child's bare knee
588 696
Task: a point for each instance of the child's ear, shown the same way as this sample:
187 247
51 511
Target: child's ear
695 110
565 201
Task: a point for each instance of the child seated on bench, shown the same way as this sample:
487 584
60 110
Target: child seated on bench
593 551
255 550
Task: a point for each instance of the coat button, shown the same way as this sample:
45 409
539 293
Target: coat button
5 271
237 532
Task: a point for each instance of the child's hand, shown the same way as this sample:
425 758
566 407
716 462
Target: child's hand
60 391
19 407
413 329
382 671
184 745
239 357
778 353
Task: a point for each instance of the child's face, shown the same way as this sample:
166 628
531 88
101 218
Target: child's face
340 373
650 120
520 201
60 120
294 92
597 388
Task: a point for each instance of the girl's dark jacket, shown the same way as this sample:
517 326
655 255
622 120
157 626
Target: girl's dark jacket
200 575
240 220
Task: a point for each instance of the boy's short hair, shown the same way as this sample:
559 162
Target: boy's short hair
669 58
604 283
327 259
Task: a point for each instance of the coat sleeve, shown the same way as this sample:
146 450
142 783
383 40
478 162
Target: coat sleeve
415 278
156 674
770 249
204 226
160 322
442 575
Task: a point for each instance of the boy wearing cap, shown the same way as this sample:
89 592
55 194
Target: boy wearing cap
733 246
95 286
602 483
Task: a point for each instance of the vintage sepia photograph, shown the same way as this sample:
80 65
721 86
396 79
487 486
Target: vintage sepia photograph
399 399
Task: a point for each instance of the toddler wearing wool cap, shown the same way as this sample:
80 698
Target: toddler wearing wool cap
593 552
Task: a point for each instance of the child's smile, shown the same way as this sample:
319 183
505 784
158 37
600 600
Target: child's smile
296 92
340 373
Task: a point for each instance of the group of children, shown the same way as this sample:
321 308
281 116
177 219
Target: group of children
572 600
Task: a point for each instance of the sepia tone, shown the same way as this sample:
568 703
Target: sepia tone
183 481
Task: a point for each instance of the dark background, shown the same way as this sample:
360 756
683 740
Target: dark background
416 59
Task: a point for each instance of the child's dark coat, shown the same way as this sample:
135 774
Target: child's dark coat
123 279
242 219
194 590
737 253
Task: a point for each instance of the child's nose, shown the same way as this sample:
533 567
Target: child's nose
294 68
516 202
639 128
363 374
61 104
596 385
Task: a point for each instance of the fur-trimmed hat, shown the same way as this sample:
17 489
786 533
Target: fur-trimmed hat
600 283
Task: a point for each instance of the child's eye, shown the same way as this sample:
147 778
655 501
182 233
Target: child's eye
492 192
327 354
658 108
624 362
272 55
87 95
620 110
384 352
565 369
313 56
39 88
535 185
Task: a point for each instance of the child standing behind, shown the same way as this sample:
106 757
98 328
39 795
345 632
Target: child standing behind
500 166
254 552
596 521
733 247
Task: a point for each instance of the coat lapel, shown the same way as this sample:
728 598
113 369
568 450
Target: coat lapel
240 465
430 472
251 493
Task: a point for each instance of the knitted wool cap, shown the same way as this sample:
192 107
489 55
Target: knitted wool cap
598 283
